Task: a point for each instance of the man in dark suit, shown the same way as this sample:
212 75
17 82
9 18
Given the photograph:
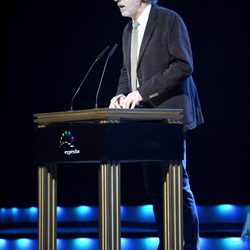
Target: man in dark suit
162 78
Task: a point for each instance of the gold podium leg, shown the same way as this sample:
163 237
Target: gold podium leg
42 207
109 206
52 204
47 207
173 207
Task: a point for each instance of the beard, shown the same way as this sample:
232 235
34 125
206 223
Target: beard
131 9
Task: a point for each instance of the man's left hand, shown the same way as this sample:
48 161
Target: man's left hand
131 100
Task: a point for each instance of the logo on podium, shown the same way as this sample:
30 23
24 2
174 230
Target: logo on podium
66 142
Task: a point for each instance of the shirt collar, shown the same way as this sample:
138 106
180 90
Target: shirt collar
143 18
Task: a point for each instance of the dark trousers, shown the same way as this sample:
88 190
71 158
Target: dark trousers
153 177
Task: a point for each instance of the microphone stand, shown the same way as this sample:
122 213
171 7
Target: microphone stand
112 51
97 59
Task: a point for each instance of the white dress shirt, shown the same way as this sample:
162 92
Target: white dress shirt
142 20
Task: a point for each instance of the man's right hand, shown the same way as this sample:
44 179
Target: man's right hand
117 101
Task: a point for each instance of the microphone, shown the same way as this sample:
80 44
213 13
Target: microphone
97 59
111 52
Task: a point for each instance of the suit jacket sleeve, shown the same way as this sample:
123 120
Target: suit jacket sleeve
171 64
123 86
124 81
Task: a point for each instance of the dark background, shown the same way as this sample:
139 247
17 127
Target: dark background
48 48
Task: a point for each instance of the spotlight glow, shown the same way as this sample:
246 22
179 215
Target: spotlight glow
3 210
83 243
125 243
146 211
14 210
59 212
232 243
24 243
83 210
33 213
145 243
3 243
226 208
123 211
86 213
151 242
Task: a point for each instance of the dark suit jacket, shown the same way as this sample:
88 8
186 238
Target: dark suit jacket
164 67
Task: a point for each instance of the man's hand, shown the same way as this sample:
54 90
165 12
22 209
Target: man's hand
131 100
117 101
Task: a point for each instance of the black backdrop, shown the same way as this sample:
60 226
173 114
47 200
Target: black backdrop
48 47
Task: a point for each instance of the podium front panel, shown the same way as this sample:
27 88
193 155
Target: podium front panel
100 142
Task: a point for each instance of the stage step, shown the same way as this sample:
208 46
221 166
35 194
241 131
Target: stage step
220 227
151 243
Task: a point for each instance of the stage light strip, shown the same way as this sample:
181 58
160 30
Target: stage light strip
232 243
225 213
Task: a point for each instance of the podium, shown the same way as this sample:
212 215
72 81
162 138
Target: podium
109 137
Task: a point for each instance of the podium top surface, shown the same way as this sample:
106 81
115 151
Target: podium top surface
109 115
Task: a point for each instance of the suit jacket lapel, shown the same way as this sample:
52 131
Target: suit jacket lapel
127 45
148 31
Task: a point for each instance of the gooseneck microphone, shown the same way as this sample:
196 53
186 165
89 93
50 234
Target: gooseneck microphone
97 59
112 51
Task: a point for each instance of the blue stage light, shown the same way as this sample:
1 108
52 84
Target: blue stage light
24 244
125 243
151 242
33 210
204 242
122 211
228 213
33 213
86 213
146 211
3 210
226 208
60 213
14 210
3 244
14 214
83 210
225 213
84 244
232 243
229 243
59 243
80 213
144 243
138 213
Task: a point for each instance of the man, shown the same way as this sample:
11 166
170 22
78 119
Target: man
158 41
